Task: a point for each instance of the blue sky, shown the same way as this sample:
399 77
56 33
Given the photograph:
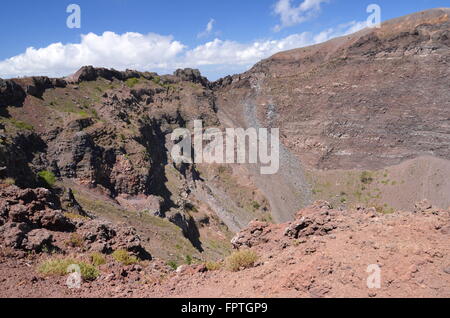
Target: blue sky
164 35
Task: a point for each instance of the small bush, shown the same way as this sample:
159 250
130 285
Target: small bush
98 259
59 267
75 240
213 266
172 264
124 257
48 178
241 260
256 205
366 177
131 82
188 260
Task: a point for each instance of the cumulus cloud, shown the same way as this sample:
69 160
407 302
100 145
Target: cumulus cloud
292 15
132 50
155 52
208 30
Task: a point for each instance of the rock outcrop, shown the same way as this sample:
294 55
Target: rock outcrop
11 93
31 220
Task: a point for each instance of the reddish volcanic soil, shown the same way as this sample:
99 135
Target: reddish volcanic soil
323 253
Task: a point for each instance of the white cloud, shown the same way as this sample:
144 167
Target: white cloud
208 30
293 15
155 52
128 50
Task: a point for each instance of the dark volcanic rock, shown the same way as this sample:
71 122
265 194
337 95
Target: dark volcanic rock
39 85
192 75
11 93
37 239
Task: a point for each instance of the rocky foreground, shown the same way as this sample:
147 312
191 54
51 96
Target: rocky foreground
324 252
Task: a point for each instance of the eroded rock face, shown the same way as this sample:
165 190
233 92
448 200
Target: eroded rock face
355 101
118 143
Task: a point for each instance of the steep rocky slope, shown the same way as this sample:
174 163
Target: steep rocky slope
106 135
85 167
365 101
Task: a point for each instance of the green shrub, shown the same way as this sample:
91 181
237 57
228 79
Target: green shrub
98 259
131 82
59 266
256 205
122 256
172 264
242 259
48 178
188 260
366 177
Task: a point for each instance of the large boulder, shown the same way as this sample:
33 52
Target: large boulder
35 207
12 234
105 237
37 240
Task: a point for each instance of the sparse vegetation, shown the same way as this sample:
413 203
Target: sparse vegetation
9 181
59 267
74 216
47 178
75 240
98 259
366 177
21 125
172 264
156 80
213 266
256 205
385 209
124 257
241 260
188 260
131 82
